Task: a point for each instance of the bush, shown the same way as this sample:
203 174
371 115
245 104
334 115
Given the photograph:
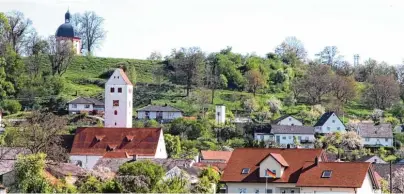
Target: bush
151 123
107 73
11 106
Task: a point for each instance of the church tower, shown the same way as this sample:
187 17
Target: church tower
118 100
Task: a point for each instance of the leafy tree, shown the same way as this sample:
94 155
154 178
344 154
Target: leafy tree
11 106
150 170
250 105
90 185
14 68
236 143
4 28
151 123
212 175
112 186
130 184
29 172
173 185
155 55
173 145
36 50
60 54
381 92
203 186
343 88
255 80
398 111
89 27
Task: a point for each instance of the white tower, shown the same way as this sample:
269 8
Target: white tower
220 114
118 100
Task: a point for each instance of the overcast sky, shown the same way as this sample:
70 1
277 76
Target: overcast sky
135 28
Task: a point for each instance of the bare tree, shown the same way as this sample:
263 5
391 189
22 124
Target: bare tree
20 27
89 27
381 92
343 88
60 53
36 49
41 133
155 55
330 56
291 46
398 181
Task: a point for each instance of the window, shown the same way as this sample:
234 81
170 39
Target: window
290 119
74 105
333 121
262 138
87 106
245 171
299 137
115 102
326 174
242 190
115 112
119 90
386 139
283 137
269 190
257 190
307 138
112 90
1 179
130 104
328 128
367 139
338 128
290 137
115 123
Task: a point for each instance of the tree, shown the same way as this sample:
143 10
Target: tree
343 88
112 186
60 54
398 111
250 105
351 141
36 50
203 186
188 64
90 29
131 184
41 133
150 170
11 106
20 27
4 29
215 80
29 172
177 184
173 145
381 92
330 56
291 48
255 80
155 56
90 184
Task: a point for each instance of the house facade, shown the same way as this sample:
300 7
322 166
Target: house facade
372 159
287 120
375 135
159 113
84 104
329 123
93 143
252 170
285 135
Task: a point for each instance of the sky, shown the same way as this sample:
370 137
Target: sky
135 28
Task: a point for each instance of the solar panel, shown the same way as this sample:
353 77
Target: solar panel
245 171
326 174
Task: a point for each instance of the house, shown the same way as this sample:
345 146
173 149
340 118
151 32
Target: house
159 113
8 158
375 135
84 104
372 159
287 120
67 171
384 171
275 170
93 143
285 135
214 156
329 123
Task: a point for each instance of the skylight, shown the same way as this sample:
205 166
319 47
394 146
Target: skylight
326 174
245 171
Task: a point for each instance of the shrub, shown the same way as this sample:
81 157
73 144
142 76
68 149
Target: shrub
107 73
11 106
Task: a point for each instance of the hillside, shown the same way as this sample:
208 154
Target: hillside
83 77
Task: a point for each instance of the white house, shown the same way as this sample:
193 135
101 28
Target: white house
287 120
84 104
93 143
274 170
160 113
284 135
372 159
118 100
329 123
375 135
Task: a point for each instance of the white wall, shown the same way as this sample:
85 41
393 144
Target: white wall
263 137
271 164
172 115
332 125
80 107
220 114
251 187
124 116
288 138
161 151
330 190
377 141
290 121
153 115
87 160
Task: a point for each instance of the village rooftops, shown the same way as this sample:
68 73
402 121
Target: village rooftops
216 155
85 100
98 141
156 108
369 130
323 118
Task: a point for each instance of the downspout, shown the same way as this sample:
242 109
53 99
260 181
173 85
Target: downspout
355 191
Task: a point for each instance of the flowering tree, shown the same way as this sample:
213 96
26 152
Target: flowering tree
398 181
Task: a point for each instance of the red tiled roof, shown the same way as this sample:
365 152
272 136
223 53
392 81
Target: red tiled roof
125 77
251 157
216 155
344 174
280 159
116 155
144 142
216 165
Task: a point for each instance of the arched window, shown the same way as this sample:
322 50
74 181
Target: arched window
115 112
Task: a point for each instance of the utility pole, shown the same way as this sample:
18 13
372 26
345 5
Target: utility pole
391 180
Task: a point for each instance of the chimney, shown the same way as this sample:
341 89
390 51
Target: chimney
316 161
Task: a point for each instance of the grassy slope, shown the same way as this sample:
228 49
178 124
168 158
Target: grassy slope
91 68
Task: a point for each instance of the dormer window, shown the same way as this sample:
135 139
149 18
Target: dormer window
129 138
326 174
111 147
333 121
99 137
245 171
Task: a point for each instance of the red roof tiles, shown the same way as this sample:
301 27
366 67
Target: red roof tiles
251 157
216 155
279 159
144 142
125 77
344 174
